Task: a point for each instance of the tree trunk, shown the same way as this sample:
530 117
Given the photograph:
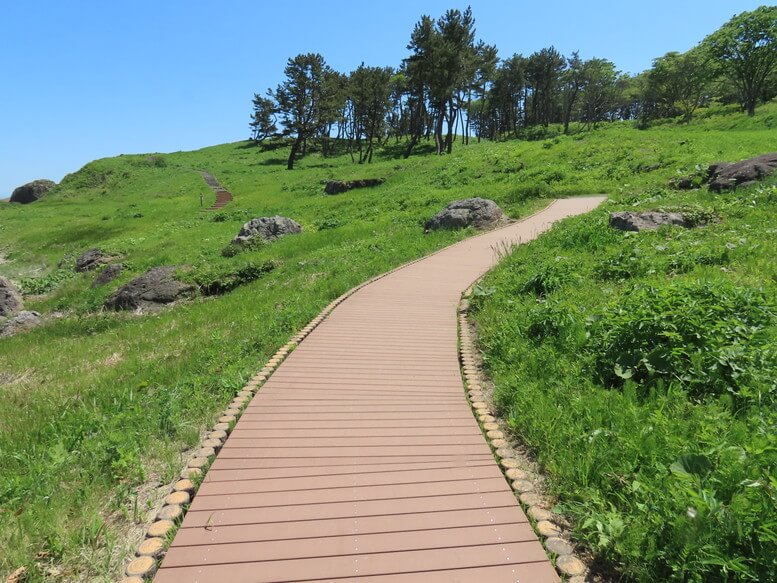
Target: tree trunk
469 112
750 106
568 112
438 131
410 145
293 154
451 126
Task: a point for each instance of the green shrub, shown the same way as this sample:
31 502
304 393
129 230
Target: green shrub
328 223
157 161
217 280
550 319
46 283
686 260
548 277
224 216
232 250
695 215
624 263
707 336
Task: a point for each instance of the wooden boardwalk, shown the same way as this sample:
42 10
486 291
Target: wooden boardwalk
360 460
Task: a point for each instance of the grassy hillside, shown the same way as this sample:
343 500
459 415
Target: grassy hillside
96 407
641 369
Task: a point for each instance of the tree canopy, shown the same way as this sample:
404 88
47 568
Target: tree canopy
746 51
451 87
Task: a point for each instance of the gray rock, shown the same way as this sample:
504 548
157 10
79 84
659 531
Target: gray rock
150 291
478 212
10 299
723 176
31 191
91 259
266 229
559 546
22 322
108 274
340 186
632 221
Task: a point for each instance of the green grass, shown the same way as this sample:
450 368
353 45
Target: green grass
640 367
95 406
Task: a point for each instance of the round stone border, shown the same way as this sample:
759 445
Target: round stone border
142 566
552 533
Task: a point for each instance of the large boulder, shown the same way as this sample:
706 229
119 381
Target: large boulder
31 191
150 291
266 229
10 299
723 176
91 259
340 186
22 322
648 220
480 213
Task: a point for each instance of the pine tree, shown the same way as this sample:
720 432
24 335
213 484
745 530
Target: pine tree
263 118
302 99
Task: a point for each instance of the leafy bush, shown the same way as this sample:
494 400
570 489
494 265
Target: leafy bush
222 279
548 277
157 161
623 264
708 336
224 216
687 260
42 285
328 223
695 215
231 250
551 319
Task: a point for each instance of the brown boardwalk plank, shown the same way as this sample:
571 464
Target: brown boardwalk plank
360 460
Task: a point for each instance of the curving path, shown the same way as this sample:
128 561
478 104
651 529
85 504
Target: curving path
360 460
223 196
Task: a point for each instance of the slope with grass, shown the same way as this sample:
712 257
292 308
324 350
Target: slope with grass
641 369
96 407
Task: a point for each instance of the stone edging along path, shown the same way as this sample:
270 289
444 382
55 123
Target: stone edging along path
161 531
519 471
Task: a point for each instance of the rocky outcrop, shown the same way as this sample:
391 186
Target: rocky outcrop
151 291
91 259
266 229
22 322
10 299
108 274
340 186
31 191
480 213
724 176
633 221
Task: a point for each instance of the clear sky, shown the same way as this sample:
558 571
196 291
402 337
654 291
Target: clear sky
85 79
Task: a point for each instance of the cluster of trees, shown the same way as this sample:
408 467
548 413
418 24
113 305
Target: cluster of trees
452 88
735 64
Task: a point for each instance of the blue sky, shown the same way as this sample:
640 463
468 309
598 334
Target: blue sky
81 80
